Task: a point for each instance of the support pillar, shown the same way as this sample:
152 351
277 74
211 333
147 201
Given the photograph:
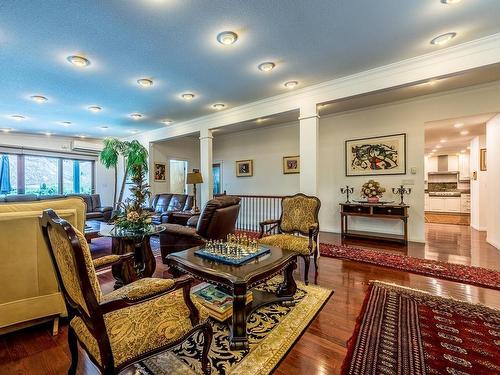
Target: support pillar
309 133
206 161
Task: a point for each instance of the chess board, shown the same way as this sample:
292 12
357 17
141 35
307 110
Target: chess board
231 254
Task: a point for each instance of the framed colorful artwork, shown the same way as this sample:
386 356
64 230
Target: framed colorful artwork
160 170
376 156
482 159
291 164
244 168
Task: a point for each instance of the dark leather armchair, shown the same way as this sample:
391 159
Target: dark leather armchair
216 221
163 204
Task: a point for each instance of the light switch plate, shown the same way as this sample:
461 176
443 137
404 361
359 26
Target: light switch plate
413 170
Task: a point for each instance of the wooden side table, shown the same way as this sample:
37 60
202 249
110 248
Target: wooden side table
374 211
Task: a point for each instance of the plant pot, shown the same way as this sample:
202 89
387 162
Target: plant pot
373 199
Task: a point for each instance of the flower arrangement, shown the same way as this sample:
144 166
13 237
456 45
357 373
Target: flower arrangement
133 217
372 191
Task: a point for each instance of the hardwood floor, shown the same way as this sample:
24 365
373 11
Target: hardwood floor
322 347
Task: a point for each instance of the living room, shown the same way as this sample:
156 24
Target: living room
274 175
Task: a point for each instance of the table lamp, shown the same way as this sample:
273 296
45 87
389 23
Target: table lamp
194 178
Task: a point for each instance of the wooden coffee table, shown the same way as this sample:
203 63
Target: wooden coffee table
238 280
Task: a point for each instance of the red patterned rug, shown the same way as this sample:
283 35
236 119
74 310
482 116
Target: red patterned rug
455 272
401 331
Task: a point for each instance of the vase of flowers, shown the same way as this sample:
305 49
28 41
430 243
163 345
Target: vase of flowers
372 191
132 216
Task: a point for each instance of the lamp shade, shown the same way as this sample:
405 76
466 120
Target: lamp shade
194 178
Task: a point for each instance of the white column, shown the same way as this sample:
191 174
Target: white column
309 132
206 188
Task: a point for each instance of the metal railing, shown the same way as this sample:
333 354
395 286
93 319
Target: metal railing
255 209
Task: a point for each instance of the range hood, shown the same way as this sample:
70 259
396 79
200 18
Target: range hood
444 172
443 166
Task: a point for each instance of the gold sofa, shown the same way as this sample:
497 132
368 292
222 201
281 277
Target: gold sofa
30 291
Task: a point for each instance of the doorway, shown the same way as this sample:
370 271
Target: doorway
178 172
217 177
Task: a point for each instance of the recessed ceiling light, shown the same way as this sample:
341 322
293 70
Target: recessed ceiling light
458 125
65 123
462 151
464 132
290 84
145 82
78 61
48 134
94 108
18 117
450 1
188 96
218 106
6 130
166 122
82 136
136 116
261 120
443 140
434 150
133 131
443 39
468 147
438 146
266 66
104 127
227 37
38 98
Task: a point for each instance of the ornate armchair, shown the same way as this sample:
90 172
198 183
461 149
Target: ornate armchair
129 324
298 228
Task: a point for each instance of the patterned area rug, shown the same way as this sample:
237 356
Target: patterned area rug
455 272
272 330
401 331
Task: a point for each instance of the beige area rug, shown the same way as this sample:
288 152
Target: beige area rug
438 218
272 330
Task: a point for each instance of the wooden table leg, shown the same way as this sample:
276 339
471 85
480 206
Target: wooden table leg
288 287
239 338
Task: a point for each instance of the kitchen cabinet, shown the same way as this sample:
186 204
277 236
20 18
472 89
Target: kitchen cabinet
464 166
452 163
432 164
465 203
445 204
426 202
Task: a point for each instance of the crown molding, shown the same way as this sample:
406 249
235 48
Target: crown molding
465 56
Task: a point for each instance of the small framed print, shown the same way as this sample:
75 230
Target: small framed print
244 168
160 172
291 164
482 159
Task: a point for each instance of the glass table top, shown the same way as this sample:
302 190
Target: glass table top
112 231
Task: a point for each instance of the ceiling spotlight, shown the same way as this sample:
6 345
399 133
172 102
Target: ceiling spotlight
82 136
464 132
434 150
104 127
227 38
443 140
65 123
145 82
468 147
218 106
259 120
462 151
94 108
166 122
78 61
38 98
136 116
458 125
187 96
266 66
438 146
133 131
48 134
290 84
443 39
450 1
18 117
6 130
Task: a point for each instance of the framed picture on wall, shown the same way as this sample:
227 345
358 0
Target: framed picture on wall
244 168
376 156
291 164
160 170
482 159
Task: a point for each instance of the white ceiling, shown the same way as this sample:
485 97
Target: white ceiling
173 42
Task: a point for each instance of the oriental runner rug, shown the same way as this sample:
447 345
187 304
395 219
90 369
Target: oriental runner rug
401 331
272 330
479 276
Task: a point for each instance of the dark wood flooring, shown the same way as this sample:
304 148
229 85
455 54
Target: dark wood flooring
322 347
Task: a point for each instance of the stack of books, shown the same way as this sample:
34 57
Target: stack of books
218 303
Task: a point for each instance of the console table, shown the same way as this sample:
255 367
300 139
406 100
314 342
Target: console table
374 211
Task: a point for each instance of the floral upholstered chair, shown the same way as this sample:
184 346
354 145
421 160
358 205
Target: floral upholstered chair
298 228
129 324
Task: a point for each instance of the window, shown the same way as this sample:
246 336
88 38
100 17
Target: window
11 165
41 175
47 175
178 172
216 171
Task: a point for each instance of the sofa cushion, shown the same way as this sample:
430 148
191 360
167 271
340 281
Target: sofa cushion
162 202
94 215
177 202
209 210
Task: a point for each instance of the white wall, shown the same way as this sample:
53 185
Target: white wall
493 172
266 147
103 177
184 148
478 188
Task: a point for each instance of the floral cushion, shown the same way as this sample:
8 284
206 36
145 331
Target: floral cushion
298 244
299 214
141 328
105 260
139 289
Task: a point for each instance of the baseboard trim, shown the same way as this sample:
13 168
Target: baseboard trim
480 229
335 231
493 243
